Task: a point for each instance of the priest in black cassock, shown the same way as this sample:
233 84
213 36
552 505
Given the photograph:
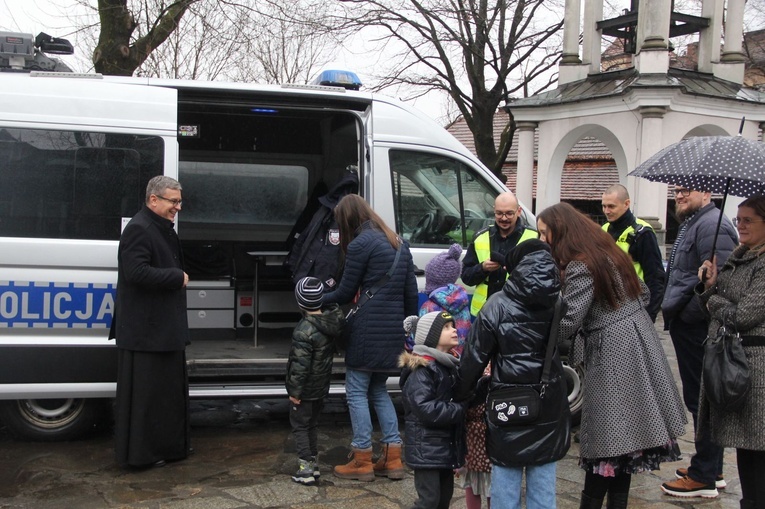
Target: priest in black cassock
151 330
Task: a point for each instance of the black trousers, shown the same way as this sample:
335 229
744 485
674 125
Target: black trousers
304 419
435 488
751 471
688 339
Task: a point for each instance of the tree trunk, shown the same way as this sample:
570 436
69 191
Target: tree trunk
114 53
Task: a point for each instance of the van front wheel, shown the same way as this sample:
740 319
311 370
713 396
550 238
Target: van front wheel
51 420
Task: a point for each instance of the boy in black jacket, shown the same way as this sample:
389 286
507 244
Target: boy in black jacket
434 429
309 370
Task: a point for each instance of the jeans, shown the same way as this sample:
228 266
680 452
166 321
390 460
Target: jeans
435 488
304 419
688 340
540 487
361 388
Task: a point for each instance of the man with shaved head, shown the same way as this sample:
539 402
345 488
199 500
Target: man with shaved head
482 266
636 238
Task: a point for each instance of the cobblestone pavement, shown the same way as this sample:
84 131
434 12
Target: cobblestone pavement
244 458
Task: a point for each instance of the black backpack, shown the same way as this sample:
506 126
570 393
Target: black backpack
316 251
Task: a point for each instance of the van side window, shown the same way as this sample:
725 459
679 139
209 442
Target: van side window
438 200
73 185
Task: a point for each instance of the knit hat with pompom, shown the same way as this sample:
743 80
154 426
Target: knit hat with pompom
427 328
443 269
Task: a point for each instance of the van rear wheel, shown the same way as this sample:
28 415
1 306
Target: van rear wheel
575 384
51 420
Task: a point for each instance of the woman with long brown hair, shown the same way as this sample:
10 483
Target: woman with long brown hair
377 337
632 413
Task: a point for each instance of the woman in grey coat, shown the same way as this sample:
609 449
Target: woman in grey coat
736 297
632 413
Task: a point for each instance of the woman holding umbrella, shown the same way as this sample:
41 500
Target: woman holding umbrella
736 297
632 412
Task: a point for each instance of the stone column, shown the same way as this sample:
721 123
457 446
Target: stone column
524 184
571 32
711 36
734 32
649 201
591 52
731 64
653 36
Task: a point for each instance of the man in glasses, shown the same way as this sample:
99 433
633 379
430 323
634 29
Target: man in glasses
687 323
483 265
636 238
151 330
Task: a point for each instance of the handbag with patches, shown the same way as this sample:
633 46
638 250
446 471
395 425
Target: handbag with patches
516 405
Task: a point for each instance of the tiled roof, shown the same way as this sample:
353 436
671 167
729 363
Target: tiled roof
586 149
580 181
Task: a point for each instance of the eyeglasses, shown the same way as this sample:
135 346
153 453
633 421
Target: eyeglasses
746 221
683 193
499 214
176 203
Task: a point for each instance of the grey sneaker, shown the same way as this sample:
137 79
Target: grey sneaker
315 466
304 474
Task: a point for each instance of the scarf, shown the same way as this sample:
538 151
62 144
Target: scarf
443 358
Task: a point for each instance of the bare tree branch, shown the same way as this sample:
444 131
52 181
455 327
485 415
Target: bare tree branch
478 52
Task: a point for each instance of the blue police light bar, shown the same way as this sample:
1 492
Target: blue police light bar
336 78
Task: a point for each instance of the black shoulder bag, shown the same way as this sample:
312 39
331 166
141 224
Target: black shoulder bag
725 370
517 405
342 341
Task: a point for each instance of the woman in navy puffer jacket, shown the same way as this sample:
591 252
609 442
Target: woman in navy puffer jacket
376 335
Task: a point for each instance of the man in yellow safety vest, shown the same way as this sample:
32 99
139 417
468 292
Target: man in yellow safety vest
482 266
636 238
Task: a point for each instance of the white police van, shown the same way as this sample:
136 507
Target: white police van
76 153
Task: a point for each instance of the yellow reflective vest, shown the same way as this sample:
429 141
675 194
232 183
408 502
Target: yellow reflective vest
625 245
482 245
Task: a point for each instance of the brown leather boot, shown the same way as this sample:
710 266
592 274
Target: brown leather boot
389 464
359 468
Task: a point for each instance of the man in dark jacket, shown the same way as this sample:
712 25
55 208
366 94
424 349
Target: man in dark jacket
688 322
151 330
636 238
512 331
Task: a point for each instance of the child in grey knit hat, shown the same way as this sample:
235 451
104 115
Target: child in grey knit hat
434 434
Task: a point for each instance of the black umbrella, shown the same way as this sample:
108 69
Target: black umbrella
718 164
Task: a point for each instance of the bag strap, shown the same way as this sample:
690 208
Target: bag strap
365 296
552 340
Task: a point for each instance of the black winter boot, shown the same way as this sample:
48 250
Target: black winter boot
590 503
748 504
617 500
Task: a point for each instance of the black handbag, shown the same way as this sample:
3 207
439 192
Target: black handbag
516 405
725 370
341 342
